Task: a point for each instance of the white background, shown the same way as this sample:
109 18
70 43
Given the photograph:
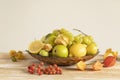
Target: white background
22 21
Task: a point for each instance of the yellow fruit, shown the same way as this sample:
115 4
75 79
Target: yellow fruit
92 49
12 53
81 65
19 55
35 46
109 52
77 50
97 66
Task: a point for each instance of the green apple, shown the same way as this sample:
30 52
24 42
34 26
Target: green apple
43 53
92 49
60 51
77 50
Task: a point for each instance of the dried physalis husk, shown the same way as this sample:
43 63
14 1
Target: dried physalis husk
97 66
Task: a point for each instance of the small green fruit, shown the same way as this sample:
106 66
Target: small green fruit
43 53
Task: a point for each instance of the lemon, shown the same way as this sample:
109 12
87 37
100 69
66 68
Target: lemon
35 46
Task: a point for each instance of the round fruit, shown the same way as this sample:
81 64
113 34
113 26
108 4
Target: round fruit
78 50
92 49
86 40
35 46
50 38
60 51
43 53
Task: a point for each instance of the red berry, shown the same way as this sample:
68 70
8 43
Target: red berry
42 63
50 66
32 67
29 67
50 72
55 65
30 71
33 64
40 73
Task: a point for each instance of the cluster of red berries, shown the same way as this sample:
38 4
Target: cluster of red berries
41 69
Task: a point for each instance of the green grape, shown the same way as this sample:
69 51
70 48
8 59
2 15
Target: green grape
67 34
86 40
56 32
91 38
78 38
50 39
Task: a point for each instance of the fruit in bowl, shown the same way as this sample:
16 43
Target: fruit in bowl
61 47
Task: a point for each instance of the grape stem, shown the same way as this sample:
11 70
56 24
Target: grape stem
80 32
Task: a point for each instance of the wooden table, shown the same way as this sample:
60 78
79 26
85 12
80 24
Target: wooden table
18 71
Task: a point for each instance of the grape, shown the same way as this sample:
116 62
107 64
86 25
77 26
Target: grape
86 40
78 38
56 32
91 38
50 39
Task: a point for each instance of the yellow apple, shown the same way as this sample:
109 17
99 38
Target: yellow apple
78 50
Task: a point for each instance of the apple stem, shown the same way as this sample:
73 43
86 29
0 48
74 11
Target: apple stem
80 32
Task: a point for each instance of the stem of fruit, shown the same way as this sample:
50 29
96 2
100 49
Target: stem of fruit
80 32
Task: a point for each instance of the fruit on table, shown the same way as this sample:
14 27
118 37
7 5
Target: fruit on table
109 52
19 55
77 50
43 53
60 51
97 66
81 65
35 46
16 55
40 69
109 61
12 53
92 49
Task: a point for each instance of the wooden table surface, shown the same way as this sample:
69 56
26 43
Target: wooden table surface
18 71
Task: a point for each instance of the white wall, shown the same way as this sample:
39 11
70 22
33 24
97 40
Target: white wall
21 21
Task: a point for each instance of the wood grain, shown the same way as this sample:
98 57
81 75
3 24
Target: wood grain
18 70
